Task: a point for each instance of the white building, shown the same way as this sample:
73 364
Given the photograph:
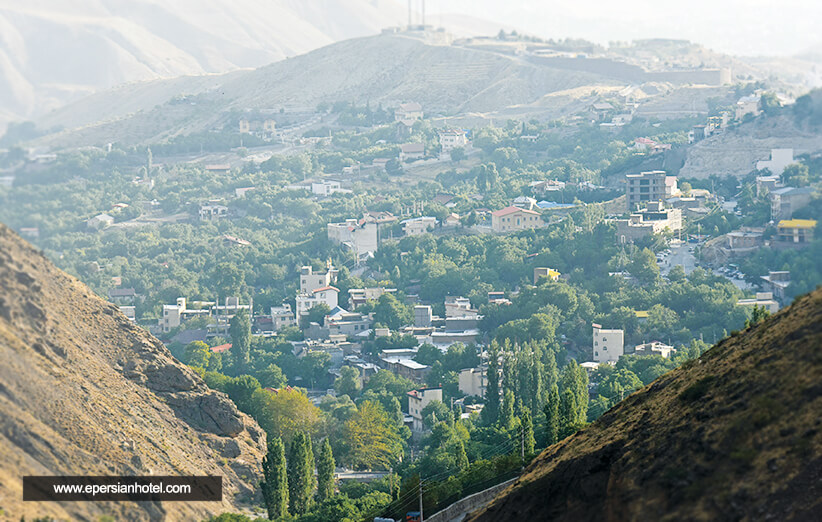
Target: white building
174 315
212 211
100 221
747 105
423 315
360 236
654 348
129 312
411 151
419 225
311 280
418 400
451 139
763 300
327 188
608 344
458 306
472 381
224 313
327 295
410 111
282 316
780 158
360 296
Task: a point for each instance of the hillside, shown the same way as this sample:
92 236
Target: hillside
736 151
382 69
50 50
734 435
85 392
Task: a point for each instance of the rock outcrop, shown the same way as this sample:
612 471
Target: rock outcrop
83 391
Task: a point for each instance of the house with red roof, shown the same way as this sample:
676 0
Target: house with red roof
512 219
222 348
328 295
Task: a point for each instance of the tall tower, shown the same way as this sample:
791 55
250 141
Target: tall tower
421 11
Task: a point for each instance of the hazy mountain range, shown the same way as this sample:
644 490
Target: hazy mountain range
52 52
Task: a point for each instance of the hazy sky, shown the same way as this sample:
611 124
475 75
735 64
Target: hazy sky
746 27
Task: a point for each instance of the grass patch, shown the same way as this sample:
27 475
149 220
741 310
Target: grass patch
697 390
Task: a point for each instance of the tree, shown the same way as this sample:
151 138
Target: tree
644 266
458 154
275 480
461 456
393 167
348 383
197 354
240 331
506 416
796 175
316 314
759 314
300 474
770 103
552 418
228 279
677 274
527 426
325 472
392 313
371 437
272 377
490 412
315 365
575 380
241 390
434 412
568 413
285 413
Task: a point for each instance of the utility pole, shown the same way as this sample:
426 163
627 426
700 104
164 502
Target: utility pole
421 517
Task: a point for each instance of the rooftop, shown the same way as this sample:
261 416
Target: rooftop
511 210
797 223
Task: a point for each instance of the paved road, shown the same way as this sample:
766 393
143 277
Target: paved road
681 255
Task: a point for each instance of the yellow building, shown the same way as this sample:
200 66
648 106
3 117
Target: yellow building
796 231
550 273
512 219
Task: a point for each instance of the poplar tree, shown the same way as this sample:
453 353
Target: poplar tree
240 331
527 432
552 419
506 416
275 480
575 379
568 413
300 474
325 472
462 457
490 412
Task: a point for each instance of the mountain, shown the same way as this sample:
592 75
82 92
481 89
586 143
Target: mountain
52 52
734 435
388 69
83 391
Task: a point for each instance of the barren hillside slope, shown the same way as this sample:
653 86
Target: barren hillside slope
386 69
734 435
85 392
